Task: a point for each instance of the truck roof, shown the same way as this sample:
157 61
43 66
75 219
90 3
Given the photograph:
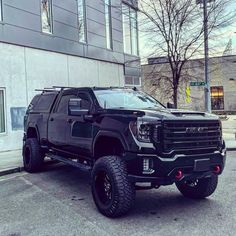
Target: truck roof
57 89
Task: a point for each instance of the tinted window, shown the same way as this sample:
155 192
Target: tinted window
86 102
63 105
32 103
45 102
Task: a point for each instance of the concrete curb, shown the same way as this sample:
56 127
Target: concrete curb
11 171
231 149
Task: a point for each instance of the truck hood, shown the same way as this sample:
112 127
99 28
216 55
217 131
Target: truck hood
165 114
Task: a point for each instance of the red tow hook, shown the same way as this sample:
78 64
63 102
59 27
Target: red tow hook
179 175
217 169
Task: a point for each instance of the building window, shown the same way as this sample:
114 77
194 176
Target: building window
82 21
46 16
130 30
1 18
132 81
217 98
108 23
2 111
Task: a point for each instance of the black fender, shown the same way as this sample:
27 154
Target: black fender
33 126
112 134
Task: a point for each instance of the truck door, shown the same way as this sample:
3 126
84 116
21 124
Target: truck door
79 131
58 120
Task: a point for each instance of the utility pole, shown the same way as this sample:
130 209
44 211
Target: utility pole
203 4
206 48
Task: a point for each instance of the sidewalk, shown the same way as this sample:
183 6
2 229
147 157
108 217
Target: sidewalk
229 132
230 141
10 162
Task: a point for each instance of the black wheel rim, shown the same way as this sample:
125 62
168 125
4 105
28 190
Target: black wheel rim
103 188
192 184
27 156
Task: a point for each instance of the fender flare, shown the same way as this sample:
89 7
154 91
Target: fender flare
31 125
112 134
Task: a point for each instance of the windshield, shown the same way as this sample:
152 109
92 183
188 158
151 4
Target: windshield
117 98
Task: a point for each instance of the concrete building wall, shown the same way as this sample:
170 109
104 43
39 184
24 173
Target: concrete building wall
25 69
21 25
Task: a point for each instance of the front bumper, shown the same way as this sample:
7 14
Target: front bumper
165 169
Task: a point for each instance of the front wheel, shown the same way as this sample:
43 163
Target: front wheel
113 194
198 189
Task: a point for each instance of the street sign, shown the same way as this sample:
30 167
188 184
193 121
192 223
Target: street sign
202 1
198 83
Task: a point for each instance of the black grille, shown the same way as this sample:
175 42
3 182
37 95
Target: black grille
189 135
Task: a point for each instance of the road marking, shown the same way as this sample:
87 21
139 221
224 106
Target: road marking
26 181
5 178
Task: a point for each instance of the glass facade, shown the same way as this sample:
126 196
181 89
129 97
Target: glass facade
130 30
0 10
217 98
108 23
46 16
132 81
82 21
2 112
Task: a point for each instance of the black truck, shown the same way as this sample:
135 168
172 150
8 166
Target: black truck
126 140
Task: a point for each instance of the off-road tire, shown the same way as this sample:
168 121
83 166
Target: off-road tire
32 156
203 188
122 194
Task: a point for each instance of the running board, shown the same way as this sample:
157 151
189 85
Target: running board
67 161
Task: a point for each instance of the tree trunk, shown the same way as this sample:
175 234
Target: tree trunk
175 89
175 97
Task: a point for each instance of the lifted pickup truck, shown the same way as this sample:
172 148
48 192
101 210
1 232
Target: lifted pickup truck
126 140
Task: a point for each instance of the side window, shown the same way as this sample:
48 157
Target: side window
63 105
32 103
86 102
45 102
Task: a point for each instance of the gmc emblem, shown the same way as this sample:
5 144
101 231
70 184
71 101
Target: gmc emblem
192 130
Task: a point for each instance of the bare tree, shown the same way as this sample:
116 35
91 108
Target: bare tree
174 29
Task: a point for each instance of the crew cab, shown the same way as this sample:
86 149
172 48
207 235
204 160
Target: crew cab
126 140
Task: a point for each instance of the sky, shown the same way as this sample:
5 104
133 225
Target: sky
222 40
230 32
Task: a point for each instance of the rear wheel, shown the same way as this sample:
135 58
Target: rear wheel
32 156
113 194
198 189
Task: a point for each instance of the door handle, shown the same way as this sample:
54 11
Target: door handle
69 121
51 119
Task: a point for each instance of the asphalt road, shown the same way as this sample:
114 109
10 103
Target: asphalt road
58 202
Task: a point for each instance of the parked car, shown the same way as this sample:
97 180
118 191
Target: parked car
126 140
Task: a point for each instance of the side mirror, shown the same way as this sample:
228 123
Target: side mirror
170 105
75 107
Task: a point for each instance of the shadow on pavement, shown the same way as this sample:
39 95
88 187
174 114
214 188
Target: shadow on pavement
69 184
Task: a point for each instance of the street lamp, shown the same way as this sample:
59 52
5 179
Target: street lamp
206 49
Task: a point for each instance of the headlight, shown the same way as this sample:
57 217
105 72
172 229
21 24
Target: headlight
143 130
